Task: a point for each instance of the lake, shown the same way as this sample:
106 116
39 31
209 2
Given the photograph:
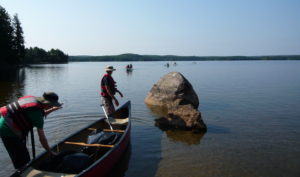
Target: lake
251 109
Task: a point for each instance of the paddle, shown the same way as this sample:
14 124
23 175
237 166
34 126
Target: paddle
106 117
32 143
89 145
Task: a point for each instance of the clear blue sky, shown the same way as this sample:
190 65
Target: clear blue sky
161 27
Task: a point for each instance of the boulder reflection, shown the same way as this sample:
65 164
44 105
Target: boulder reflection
187 137
184 136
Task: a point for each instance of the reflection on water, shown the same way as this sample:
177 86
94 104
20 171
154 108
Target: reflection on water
121 167
46 66
186 137
11 85
244 105
129 72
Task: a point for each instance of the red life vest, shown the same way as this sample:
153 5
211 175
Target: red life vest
14 114
112 86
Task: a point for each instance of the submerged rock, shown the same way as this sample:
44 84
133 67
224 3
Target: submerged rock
175 93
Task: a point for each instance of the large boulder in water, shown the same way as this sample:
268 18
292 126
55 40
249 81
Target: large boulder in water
175 93
171 90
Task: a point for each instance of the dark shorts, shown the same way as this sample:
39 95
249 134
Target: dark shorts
17 151
108 105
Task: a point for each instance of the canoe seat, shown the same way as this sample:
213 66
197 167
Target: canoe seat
118 121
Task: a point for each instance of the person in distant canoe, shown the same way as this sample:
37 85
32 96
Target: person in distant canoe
108 90
129 66
19 117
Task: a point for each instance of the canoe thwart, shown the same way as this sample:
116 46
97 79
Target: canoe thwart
119 131
92 128
109 130
89 145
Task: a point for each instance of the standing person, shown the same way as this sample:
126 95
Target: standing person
19 117
108 90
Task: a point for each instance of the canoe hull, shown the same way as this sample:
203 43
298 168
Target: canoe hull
106 164
102 164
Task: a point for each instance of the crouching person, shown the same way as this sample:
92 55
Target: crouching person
19 117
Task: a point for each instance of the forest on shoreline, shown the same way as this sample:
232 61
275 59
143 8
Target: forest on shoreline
13 53
136 57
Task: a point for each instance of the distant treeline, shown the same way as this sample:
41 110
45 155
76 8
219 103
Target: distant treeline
12 49
38 55
135 57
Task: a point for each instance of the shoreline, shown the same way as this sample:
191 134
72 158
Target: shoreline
136 57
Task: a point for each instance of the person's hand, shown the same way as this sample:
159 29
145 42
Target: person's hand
57 107
52 153
120 94
53 108
116 102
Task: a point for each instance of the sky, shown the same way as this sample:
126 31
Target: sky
161 27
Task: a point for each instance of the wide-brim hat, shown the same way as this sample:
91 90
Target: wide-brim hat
109 68
49 98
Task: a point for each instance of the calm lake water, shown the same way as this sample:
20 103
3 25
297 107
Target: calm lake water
251 108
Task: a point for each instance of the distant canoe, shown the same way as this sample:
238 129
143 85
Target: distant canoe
129 69
102 157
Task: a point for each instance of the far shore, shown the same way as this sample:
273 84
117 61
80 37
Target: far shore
167 58
136 57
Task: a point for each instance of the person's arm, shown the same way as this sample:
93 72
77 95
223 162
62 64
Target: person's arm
111 95
54 108
121 95
44 140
